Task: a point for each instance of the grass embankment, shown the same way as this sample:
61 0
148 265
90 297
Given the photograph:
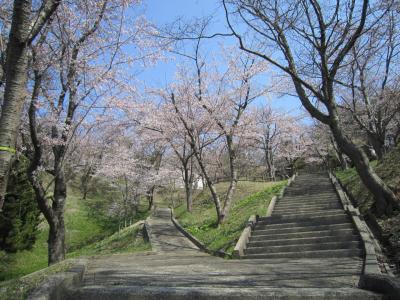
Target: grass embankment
251 198
85 229
389 170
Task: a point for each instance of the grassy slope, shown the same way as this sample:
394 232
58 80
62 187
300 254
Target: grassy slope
251 198
389 171
128 240
82 229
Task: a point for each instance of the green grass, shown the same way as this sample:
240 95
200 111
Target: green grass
388 169
251 198
128 240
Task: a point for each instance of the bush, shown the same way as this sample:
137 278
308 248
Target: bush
20 217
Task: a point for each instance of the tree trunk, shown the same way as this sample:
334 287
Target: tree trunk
188 180
211 187
14 93
229 195
85 180
150 197
270 164
189 197
378 144
56 240
57 228
54 214
233 179
339 154
385 199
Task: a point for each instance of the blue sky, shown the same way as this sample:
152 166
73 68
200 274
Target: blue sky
163 12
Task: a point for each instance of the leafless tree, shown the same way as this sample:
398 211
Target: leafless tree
373 76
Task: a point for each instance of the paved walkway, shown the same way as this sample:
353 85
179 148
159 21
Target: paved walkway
165 238
176 269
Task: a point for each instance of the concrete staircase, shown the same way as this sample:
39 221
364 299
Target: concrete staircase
308 222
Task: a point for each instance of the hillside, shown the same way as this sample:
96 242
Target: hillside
85 225
251 198
387 229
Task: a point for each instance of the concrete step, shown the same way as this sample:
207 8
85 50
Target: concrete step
305 214
324 192
231 292
319 195
260 231
311 188
311 182
287 217
303 210
309 254
336 231
306 197
292 215
306 201
335 219
281 208
303 247
297 241
332 215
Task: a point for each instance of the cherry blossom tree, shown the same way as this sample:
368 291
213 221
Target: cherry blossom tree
74 76
212 103
280 136
130 174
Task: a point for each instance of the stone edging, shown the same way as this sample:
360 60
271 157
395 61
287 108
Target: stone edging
55 286
371 262
246 233
371 278
196 241
244 237
147 233
274 199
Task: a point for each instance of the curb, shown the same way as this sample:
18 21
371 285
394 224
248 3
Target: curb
196 241
371 265
238 251
274 199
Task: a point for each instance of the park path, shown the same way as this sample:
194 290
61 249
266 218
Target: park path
165 237
177 269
